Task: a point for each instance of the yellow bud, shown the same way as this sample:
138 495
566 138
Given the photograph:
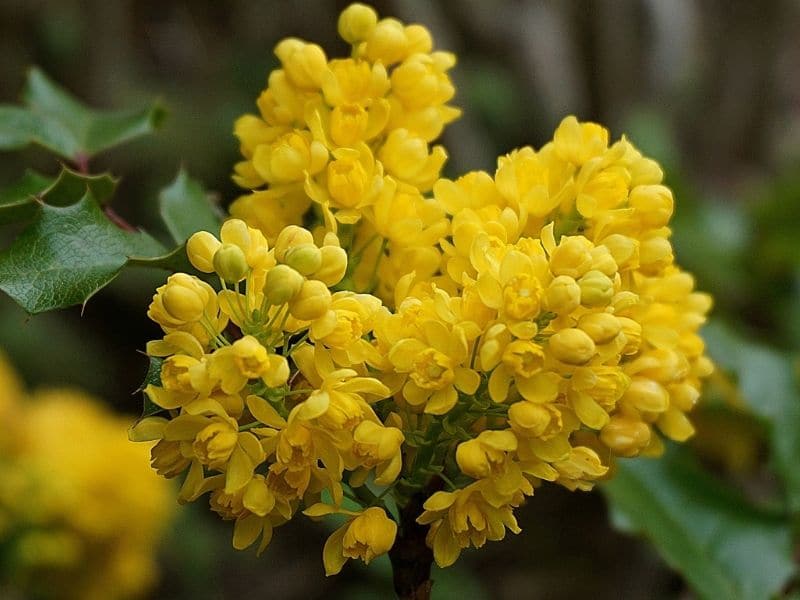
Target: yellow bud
653 204
633 335
288 238
183 303
200 248
356 23
625 436
282 284
230 263
563 295
305 258
529 419
683 396
387 42
472 459
572 346
303 63
312 302
596 289
655 254
646 395
572 257
333 267
601 327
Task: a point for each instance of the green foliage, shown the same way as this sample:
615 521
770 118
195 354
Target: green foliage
186 209
75 244
53 118
67 254
723 545
18 201
767 384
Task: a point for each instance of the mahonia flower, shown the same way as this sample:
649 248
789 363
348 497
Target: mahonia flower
70 527
420 349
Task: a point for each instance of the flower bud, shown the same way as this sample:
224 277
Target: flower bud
305 258
356 23
653 204
596 289
230 263
289 237
625 436
572 346
646 395
572 257
655 254
532 420
303 63
312 302
200 248
282 284
334 265
563 295
601 327
182 299
633 335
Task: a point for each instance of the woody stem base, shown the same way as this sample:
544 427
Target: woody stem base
410 556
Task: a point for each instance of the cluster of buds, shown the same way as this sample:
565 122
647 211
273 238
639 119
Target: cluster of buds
449 344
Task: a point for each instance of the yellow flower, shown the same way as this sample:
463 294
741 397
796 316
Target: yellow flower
487 454
579 142
290 158
378 447
463 518
407 158
365 535
233 366
434 364
185 303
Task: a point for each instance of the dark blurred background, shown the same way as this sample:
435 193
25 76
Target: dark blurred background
709 88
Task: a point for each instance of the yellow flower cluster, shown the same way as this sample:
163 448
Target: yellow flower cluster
267 383
70 526
529 325
352 137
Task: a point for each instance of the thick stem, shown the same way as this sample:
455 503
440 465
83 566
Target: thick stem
410 556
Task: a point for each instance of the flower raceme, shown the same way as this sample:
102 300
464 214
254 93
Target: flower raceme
364 335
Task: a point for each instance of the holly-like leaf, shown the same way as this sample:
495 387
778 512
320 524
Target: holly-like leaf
153 377
70 186
768 385
53 118
724 546
18 201
186 208
67 254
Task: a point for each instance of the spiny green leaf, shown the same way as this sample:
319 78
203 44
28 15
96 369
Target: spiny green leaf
768 386
53 118
723 546
70 186
18 201
67 254
186 209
